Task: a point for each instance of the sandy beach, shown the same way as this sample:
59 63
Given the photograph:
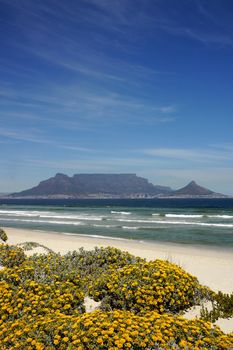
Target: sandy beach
213 267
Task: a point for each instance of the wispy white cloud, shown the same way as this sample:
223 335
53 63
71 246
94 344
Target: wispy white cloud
35 136
104 164
167 109
78 107
202 24
196 155
224 146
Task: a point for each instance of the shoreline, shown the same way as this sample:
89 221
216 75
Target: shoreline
211 265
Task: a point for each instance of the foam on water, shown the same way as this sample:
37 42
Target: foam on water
177 223
130 227
183 216
47 221
95 236
221 216
72 217
50 215
120 212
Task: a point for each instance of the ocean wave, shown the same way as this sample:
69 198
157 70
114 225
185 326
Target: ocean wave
47 221
221 216
177 223
20 213
138 220
95 236
194 223
120 212
73 217
106 226
130 227
183 216
215 225
51 215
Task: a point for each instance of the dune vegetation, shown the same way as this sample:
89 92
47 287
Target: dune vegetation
141 303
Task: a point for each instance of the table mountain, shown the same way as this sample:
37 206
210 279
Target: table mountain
85 185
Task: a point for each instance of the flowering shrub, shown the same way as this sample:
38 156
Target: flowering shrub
157 285
87 264
11 255
32 299
91 264
111 331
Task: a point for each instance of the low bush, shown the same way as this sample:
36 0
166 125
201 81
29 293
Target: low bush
89 265
222 307
11 256
3 235
156 285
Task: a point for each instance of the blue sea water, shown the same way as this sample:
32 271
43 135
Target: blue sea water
206 222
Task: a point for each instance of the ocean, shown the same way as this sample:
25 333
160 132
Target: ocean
207 222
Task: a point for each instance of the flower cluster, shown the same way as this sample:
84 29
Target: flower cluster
156 285
111 331
11 255
31 299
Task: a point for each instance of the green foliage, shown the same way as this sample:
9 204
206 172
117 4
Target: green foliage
11 255
3 235
91 264
222 307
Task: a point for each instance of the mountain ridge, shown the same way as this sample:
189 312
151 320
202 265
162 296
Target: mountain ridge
81 185
109 186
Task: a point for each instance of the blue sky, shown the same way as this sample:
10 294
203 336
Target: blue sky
120 86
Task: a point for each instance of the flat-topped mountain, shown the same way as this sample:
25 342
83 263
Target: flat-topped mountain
97 185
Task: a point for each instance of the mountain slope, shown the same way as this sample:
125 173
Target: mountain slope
93 184
193 189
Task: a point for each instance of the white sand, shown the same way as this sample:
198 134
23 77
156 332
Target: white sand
213 267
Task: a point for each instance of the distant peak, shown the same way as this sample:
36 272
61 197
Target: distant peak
193 189
60 175
192 183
